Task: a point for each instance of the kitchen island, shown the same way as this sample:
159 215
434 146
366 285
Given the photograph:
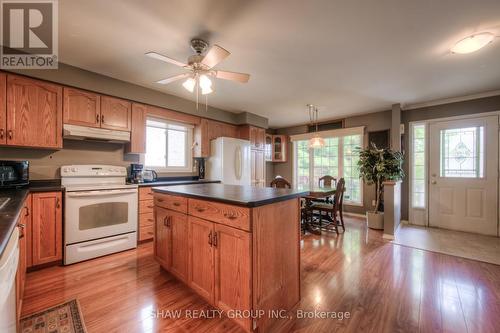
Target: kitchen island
236 246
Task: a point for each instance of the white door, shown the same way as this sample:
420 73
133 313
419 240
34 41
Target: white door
464 175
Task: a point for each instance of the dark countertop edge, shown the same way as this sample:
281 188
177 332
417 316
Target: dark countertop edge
177 182
19 195
250 204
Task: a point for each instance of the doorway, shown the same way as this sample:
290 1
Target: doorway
463 175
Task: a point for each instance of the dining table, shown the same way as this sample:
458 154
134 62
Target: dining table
314 192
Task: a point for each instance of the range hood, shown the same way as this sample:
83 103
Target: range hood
74 132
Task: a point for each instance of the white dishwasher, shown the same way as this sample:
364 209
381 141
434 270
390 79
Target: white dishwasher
8 269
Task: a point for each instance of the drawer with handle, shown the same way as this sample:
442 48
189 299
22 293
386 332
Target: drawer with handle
145 193
233 216
146 219
146 232
145 206
173 202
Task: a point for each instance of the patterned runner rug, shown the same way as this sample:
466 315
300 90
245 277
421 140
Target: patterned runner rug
62 318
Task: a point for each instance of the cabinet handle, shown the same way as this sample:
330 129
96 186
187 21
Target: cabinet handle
165 221
230 216
150 220
176 204
159 200
210 238
102 118
21 227
215 239
58 205
2 133
27 211
97 118
11 134
150 206
200 210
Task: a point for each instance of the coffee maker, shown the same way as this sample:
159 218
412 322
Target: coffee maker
136 173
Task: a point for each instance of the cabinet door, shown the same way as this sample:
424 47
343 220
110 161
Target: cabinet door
201 138
260 138
116 114
22 265
259 167
162 237
233 270
28 231
34 113
214 130
268 147
3 105
253 166
279 148
47 227
229 131
81 108
201 257
137 143
178 225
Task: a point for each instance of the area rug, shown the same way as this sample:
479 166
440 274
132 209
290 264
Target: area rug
454 243
62 318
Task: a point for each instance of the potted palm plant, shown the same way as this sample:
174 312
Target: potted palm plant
375 167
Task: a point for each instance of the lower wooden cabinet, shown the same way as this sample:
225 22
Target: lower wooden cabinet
46 227
23 224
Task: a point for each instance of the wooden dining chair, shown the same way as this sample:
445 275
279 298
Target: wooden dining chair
334 209
280 182
327 181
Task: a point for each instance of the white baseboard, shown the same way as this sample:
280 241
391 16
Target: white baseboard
354 214
387 236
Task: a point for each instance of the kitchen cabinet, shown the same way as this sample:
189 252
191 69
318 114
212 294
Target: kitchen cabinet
258 177
137 144
3 109
201 257
255 135
34 113
81 107
146 216
208 130
279 148
268 148
116 114
46 227
161 243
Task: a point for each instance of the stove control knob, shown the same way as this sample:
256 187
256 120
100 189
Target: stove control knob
65 170
73 169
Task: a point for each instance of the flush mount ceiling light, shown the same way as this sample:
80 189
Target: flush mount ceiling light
473 43
316 141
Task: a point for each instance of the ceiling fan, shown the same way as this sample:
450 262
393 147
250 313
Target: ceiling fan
200 67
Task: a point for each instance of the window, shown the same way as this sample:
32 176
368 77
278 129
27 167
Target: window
351 169
418 172
168 146
338 158
462 152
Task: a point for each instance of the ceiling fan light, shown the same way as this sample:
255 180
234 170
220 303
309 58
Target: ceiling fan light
189 84
206 91
472 43
205 82
316 142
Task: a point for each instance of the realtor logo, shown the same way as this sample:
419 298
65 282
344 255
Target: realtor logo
29 34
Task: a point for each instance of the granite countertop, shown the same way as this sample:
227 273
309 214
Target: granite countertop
9 213
178 182
247 196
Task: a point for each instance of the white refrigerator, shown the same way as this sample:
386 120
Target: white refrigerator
229 161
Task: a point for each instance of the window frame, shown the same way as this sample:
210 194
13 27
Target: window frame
188 147
340 134
411 161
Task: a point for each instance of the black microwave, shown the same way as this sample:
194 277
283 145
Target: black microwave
14 173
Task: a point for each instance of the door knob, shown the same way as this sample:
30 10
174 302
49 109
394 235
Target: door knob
433 175
434 182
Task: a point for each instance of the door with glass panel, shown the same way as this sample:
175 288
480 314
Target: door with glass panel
463 172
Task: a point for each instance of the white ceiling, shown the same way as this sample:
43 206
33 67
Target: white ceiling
348 57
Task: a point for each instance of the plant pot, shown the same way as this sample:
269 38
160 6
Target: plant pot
375 220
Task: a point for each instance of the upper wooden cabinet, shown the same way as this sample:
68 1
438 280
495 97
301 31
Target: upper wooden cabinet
47 227
137 144
279 148
81 108
208 130
116 114
255 135
3 105
268 148
34 113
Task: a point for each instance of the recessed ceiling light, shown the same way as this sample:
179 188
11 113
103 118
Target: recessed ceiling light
473 43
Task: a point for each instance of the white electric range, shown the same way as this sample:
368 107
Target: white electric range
100 211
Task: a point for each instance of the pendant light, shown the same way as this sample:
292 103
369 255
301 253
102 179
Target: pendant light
316 141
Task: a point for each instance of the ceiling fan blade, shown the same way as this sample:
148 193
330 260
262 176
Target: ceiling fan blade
215 55
174 78
161 57
240 77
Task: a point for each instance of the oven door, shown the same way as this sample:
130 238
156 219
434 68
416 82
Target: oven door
97 214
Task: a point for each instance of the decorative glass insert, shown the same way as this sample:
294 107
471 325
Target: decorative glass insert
418 166
351 169
462 152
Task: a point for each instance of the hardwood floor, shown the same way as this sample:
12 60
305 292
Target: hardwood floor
384 287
